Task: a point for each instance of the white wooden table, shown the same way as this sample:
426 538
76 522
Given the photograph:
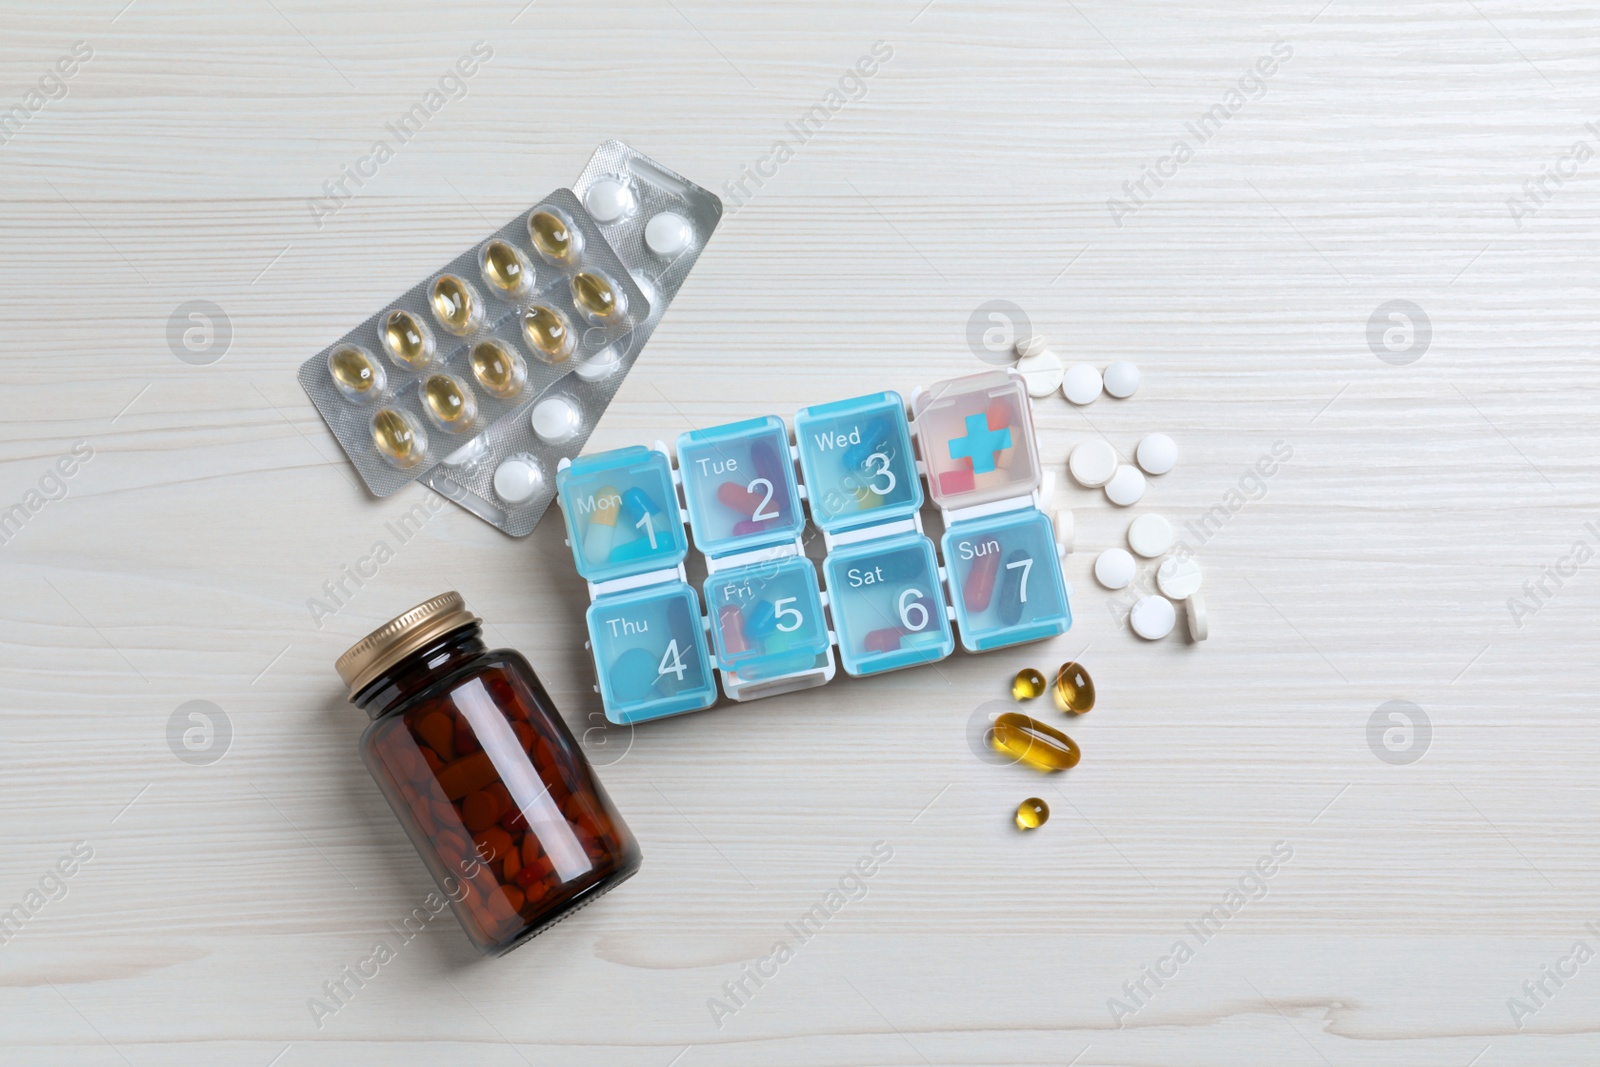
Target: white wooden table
1435 476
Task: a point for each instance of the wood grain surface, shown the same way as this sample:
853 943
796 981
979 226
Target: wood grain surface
1431 537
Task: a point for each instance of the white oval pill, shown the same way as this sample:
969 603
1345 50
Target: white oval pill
517 479
1122 379
668 233
1066 529
1150 535
1113 568
1153 617
556 420
1125 487
1081 384
1157 453
1092 463
1041 370
1195 610
609 200
1178 577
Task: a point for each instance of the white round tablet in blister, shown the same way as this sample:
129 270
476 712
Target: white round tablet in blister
1041 370
1113 568
556 420
1150 535
609 200
1125 487
668 233
1153 617
1122 379
1081 384
1092 463
1157 453
517 479
1178 577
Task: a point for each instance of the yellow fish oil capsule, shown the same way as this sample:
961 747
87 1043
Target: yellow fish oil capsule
1074 689
505 268
449 403
1030 741
455 304
408 341
596 297
548 333
497 368
554 237
1032 813
398 438
356 374
1028 684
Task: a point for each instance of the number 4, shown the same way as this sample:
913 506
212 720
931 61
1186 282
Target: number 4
671 662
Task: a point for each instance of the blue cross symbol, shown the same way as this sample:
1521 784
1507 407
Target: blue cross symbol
980 444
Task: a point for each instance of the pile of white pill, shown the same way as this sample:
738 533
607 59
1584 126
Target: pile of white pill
1095 464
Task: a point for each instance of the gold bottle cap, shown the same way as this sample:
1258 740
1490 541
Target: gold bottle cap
402 635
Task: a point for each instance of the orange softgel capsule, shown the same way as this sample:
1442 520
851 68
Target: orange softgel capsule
1030 741
1028 684
1074 689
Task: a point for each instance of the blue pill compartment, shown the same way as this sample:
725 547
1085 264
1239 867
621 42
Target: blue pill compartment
767 620
887 606
739 483
857 460
1005 580
650 653
621 512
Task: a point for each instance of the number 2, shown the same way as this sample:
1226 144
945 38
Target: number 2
757 515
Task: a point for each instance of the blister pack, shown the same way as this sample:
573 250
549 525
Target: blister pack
478 346
657 222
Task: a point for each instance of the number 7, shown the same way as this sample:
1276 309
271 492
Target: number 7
1026 565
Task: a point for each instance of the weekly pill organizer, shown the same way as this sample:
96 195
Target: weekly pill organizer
883 601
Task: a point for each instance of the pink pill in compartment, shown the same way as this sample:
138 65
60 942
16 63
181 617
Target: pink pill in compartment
978 589
731 624
885 640
961 480
749 526
736 497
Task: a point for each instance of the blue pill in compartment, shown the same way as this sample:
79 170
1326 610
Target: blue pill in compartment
857 459
650 653
767 619
740 486
1005 580
621 513
888 611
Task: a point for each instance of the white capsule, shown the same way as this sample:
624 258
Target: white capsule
556 420
1157 453
609 200
1122 379
1113 568
667 234
1153 617
1081 384
1092 463
1178 577
1125 487
517 479
1150 535
1041 370
1195 610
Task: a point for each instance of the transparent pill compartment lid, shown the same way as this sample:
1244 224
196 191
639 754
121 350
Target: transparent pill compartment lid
857 460
1005 580
622 515
650 653
766 619
739 484
977 440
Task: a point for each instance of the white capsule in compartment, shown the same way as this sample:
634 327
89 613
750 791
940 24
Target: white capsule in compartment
407 339
554 236
667 234
356 374
517 478
448 402
556 420
397 437
610 199
456 304
505 269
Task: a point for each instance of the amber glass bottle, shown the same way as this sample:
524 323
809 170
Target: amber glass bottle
486 778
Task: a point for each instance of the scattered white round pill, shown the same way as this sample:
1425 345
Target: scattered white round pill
1113 568
1156 453
1092 463
1041 371
1178 577
474 449
609 200
1150 535
556 420
517 479
1122 379
1195 609
1066 529
1125 487
668 233
1153 617
1081 384
1030 346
